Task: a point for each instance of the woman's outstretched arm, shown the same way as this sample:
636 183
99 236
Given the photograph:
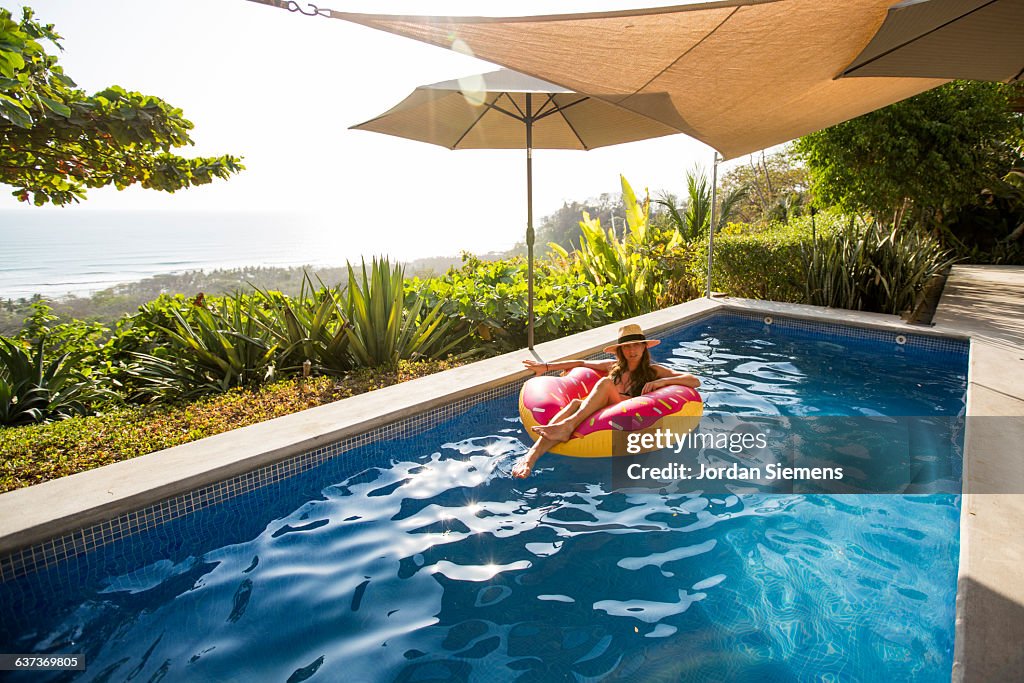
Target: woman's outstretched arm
539 368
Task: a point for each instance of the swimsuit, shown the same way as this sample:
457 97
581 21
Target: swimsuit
627 392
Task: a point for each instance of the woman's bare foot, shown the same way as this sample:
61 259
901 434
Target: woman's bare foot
522 468
555 432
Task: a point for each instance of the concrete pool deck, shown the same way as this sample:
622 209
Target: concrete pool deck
986 303
983 304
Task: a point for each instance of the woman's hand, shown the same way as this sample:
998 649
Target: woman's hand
652 385
538 368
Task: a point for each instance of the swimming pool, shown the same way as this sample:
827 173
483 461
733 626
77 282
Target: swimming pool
420 559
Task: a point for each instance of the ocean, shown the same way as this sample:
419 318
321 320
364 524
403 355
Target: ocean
60 252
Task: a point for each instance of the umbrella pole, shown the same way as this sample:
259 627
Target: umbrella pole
529 222
711 227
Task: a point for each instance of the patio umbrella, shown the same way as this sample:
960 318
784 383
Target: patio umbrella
974 39
508 110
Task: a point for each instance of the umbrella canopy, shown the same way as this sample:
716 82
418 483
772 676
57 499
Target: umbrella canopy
974 39
741 75
508 110
490 111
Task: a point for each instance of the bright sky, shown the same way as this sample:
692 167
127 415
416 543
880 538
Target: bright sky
281 90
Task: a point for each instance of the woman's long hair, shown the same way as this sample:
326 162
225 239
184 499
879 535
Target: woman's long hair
643 374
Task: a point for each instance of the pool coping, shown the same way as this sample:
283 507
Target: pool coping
42 512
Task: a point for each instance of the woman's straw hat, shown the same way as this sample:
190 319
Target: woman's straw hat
629 334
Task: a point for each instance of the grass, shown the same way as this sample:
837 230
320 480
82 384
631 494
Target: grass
37 453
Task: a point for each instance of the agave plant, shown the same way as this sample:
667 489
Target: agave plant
834 266
218 350
36 389
385 326
309 327
871 269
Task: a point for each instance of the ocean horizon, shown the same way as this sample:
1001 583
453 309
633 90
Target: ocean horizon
56 253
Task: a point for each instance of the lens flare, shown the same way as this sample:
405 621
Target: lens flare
473 89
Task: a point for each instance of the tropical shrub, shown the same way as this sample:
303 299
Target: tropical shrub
630 265
872 269
691 220
568 305
488 301
98 351
761 261
486 298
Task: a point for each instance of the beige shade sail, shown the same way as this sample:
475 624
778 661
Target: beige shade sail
740 75
490 111
976 39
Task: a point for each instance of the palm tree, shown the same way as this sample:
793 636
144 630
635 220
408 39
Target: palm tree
692 218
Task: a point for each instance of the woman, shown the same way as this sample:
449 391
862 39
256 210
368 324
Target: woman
630 374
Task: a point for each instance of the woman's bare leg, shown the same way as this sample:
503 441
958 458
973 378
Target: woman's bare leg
570 408
524 465
603 394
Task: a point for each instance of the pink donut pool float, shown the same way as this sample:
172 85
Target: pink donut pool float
542 397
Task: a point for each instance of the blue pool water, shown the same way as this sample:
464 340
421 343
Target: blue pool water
422 560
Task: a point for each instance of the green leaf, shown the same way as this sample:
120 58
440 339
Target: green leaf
55 106
12 110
